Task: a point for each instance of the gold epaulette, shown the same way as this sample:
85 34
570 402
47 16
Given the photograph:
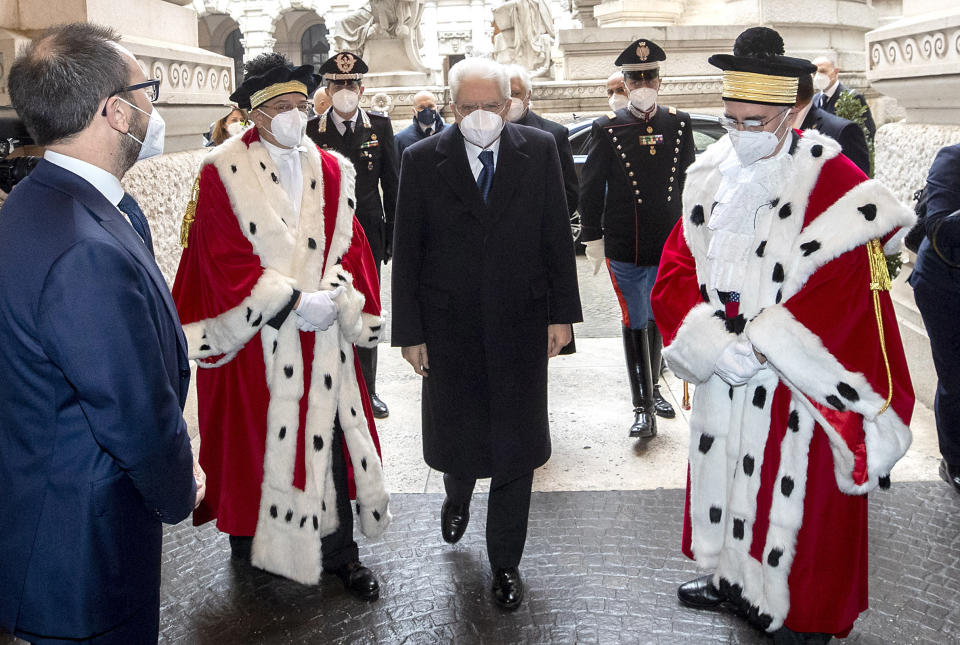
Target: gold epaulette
880 281
191 213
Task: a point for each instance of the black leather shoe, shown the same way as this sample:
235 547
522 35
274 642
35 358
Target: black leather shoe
950 474
358 580
700 593
663 409
453 520
644 424
380 409
508 587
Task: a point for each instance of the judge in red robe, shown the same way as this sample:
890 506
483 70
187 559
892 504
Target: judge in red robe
279 393
770 297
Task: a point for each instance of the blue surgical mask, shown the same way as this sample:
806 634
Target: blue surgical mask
427 116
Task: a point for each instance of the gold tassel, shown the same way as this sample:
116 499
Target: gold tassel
880 281
686 396
191 213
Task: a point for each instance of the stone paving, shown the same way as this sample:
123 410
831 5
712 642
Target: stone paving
602 560
601 567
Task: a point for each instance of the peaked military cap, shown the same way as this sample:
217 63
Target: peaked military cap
640 55
282 79
344 66
758 72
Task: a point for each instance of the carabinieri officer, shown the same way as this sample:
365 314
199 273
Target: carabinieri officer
629 202
367 141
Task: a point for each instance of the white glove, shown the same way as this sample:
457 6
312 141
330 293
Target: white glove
738 363
595 254
317 309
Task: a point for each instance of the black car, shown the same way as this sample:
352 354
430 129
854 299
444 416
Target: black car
706 130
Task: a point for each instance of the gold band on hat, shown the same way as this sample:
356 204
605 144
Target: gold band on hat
262 96
342 77
639 67
760 88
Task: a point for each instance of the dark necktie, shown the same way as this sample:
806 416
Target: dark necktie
485 179
348 131
821 100
428 131
129 207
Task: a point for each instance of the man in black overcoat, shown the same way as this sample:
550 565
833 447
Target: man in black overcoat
519 112
847 133
630 189
484 292
367 141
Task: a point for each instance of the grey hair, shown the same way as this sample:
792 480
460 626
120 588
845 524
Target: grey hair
828 57
478 68
520 72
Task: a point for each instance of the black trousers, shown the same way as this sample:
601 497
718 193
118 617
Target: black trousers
339 548
940 308
368 356
508 509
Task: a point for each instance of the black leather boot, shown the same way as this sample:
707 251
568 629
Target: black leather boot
663 409
636 350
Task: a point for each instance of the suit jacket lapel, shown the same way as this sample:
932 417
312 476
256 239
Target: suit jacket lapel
455 169
115 223
509 167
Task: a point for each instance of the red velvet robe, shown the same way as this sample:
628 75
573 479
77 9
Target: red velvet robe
828 578
217 271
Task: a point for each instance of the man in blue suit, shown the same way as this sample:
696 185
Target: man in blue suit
426 121
94 451
936 288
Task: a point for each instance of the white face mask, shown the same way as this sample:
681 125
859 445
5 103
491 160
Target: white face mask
516 110
235 128
643 98
346 101
481 128
751 147
152 144
821 81
618 102
287 127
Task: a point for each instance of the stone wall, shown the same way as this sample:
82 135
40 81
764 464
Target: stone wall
162 187
904 152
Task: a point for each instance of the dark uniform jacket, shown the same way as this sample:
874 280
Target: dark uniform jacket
632 182
373 154
562 136
479 283
413 133
830 105
847 133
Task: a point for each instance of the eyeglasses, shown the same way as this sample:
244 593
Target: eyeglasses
151 88
750 125
286 107
467 108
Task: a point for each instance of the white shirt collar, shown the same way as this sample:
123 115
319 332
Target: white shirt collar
105 182
339 120
473 155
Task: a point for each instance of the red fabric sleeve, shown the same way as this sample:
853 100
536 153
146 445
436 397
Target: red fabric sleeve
676 291
359 261
218 269
836 304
